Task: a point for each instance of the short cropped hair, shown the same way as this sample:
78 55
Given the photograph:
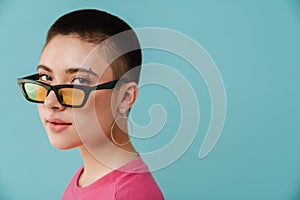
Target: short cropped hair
95 26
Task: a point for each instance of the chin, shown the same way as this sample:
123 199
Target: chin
63 146
63 143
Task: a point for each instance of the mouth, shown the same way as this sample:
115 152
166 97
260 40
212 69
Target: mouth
57 125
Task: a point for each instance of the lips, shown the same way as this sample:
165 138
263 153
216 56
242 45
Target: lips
57 125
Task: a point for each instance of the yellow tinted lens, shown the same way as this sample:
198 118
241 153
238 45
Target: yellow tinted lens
35 92
71 96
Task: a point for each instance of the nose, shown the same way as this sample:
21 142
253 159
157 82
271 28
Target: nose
51 102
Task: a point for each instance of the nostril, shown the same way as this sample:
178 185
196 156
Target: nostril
53 109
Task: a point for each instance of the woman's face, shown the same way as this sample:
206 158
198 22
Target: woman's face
61 62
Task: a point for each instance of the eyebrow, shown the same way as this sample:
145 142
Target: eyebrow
70 70
44 68
75 70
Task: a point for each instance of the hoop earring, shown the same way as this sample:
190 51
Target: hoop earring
122 111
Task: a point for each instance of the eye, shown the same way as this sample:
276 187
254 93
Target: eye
81 81
45 77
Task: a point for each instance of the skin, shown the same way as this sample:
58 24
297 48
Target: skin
90 125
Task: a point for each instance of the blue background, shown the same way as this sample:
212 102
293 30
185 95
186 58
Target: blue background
255 45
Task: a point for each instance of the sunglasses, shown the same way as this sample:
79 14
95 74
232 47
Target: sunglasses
68 95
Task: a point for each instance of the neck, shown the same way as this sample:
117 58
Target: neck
96 167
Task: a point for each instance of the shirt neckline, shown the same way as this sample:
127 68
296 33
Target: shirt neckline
136 165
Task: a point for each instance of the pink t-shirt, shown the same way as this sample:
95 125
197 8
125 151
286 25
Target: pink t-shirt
118 184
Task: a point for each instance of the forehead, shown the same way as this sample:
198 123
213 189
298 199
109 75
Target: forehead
64 52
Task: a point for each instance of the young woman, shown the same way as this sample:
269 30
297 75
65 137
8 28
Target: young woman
84 95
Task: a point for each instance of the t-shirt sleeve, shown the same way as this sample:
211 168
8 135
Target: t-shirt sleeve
138 186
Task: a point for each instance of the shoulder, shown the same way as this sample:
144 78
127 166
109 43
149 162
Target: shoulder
140 186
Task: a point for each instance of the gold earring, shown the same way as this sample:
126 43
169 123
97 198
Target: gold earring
122 112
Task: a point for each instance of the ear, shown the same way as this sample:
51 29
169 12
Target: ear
128 94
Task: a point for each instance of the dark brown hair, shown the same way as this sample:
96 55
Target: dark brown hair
95 26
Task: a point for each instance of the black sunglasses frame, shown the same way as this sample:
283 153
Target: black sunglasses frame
86 89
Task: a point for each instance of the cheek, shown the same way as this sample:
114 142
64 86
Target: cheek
103 110
95 119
